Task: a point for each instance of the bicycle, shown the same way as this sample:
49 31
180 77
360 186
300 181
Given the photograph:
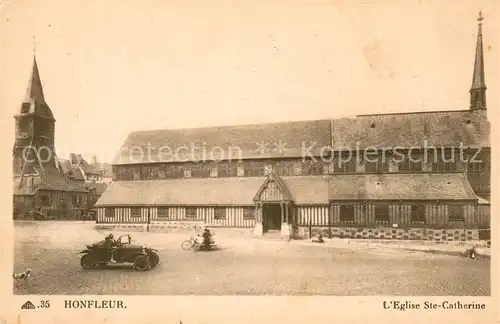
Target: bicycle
190 244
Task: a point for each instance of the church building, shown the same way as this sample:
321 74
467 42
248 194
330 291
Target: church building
418 175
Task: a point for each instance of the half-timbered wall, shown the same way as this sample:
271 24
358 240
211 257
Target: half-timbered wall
312 215
271 193
483 216
404 215
222 216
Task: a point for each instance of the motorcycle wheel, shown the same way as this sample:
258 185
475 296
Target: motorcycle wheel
141 263
187 245
88 262
154 259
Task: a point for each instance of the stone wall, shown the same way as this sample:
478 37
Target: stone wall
177 227
122 227
385 233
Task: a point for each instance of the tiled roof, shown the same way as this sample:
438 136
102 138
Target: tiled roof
437 129
34 100
308 189
99 187
451 186
50 179
67 166
469 128
211 191
216 191
90 169
304 190
229 142
76 160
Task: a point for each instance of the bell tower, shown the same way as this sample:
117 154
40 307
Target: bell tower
35 130
478 88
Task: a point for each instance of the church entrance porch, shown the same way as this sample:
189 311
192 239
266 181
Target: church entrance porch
273 209
271 217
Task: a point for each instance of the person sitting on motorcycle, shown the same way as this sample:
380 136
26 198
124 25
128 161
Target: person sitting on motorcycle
207 236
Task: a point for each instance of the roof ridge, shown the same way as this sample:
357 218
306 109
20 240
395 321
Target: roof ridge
233 125
417 112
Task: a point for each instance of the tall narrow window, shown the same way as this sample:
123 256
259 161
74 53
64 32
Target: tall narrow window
241 170
232 170
248 168
444 160
347 214
317 168
382 214
214 172
196 171
163 213
278 169
248 213
109 212
417 214
345 165
220 213
455 213
191 213
135 212
222 169
328 168
297 168
205 170
260 169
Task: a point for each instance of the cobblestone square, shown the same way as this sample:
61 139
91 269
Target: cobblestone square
242 267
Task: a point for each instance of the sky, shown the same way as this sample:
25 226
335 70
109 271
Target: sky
112 67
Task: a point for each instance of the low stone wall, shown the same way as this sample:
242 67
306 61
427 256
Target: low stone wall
122 227
175 227
229 232
387 233
178 227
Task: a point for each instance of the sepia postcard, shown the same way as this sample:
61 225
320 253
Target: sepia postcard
249 161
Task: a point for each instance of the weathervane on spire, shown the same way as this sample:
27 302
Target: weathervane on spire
480 18
34 46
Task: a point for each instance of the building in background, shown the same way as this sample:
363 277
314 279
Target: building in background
44 185
105 169
351 177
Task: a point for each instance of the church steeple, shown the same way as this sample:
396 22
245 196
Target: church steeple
34 91
34 99
478 88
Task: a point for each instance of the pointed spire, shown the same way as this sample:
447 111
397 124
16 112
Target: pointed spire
478 88
34 92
